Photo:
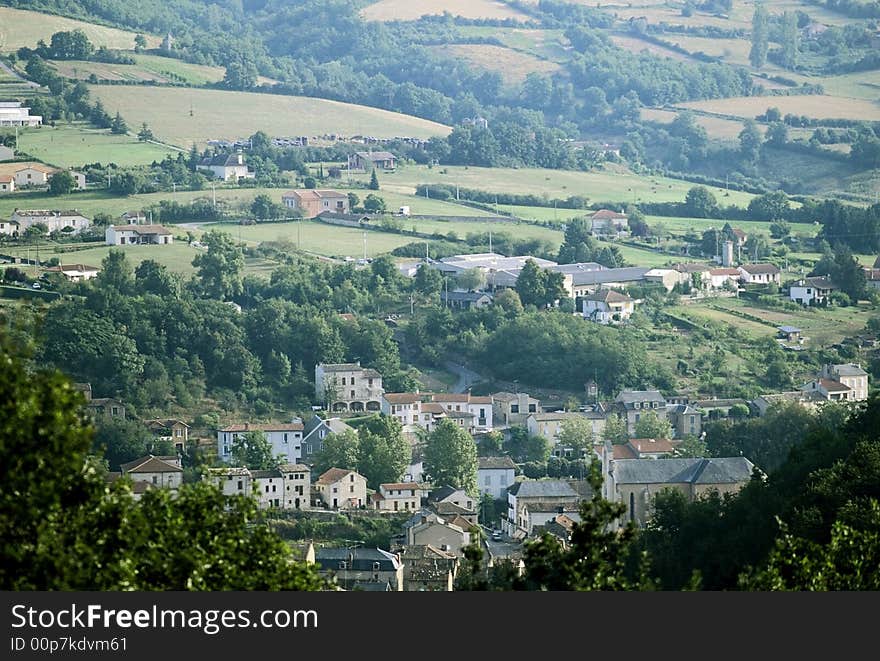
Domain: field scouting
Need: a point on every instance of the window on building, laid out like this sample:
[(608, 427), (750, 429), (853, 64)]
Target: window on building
[(514, 408), (285, 438), (532, 408), (352, 380), (343, 380)]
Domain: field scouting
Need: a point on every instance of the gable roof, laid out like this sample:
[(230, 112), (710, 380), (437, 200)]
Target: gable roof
[(542, 489), (294, 468), (333, 475), (442, 493), (724, 271), (150, 464), (608, 214), (399, 486), (608, 296), (630, 396), (833, 386), (222, 160), (817, 282), (724, 470), (402, 397), (755, 269), (141, 229), (314, 193), (265, 427), (357, 558), (647, 445), (848, 369), (376, 155), (494, 463)]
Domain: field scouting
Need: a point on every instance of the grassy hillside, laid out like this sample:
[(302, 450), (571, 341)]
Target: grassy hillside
[(513, 65), (25, 28), (816, 105), (184, 116), (615, 184), (73, 145)]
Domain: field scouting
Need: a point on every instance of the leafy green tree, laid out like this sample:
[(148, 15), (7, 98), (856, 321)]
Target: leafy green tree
[(692, 446), (471, 279), (145, 134), (338, 451), (651, 425), (614, 430), (73, 45), (383, 452), (427, 281), (777, 134), (127, 183), (700, 203), (789, 39), (253, 450), (116, 272), (118, 126), (61, 183), (219, 270), (522, 446), (509, 301), (576, 433), (374, 181), (35, 232), (374, 204), (750, 142), (760, 37), (451, 457), (353, 201), (241, 72), (263, 207), (780, 229), (155, 278), (140, 43), (120, 441)]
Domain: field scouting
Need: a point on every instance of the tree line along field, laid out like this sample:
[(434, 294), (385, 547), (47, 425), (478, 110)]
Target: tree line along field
[(162, 70), (817, 106), (78, 143), (410, 10), (20, 28), (186, 116)]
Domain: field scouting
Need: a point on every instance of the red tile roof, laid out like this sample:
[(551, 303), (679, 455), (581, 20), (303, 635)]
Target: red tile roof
[(277, 426)]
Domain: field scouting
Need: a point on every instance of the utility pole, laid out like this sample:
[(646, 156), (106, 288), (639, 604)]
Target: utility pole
[(214, 195), (365, 247)]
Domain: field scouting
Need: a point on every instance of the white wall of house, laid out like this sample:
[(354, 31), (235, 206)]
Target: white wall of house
[(286, 442), (494, 481)]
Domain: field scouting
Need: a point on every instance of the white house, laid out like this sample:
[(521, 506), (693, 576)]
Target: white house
[(7, 183), (405, 406), (479, 407), (721, 276), (228, 167), (232, 481), (811, 291), (33, 174), (494, 475), (126, 235), (340, 488), (754, 274), (75, 272), (286, 487), (54, 221), (510, 408), (163, 472), (397, 497), (607, 306), (285, 438), (606, 221)]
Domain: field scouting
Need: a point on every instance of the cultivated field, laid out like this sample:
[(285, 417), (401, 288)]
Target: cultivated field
[(73, 145), (548, 44), (672, 16), (716, 127), (25, 28), (614, 184), (411, 10), (817, 106), (512, 65), (636, 45), (162, 70), (185, 116), (734, 51), (861, 85)]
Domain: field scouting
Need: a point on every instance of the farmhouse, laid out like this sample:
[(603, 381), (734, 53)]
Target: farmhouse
[(122, 235), (339, 488), (54, 221), (313, 202), (13, 114), (155, 471), (607, 306), (753, 274), (7, 183), (510, 408), (33, 174), (811, 291), (348, 387), (228, 167), (75, 272), (606, 221), (365, 160)]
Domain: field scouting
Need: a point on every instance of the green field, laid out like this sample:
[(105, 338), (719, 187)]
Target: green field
[(73, 145), (618, 184), (821, 327), (546, 44), (25, 28), (162, 70), (812, 105), (513, 65), (182, 116)]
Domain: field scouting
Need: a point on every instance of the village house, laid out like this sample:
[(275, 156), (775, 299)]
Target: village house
[(635, 482), (495, 475), (348, 387), (427, 568), (342, 489), (105, 407), (297, 486), (227, 167), (585, 282), (560, 526), (75, 272), (809, 399), (164, 472), (316, 430), (13, 113), (607, 222), (872, 276), (651, 448), (54, 221), (366, 160), (513, 408), (175, 431), (668, 278), (345, 387), (541, 495), (122, 235), (232, 481), (840, 383), (361, 569), (397, 497), (7, 183), (466, 300), (720, 277), (812, 291), (285, 487), (607, 306), (633, 404), (447, 494), (685, 420), (33, 175), (549, 425), (696, 275), (429, 528), (312, 202), (284, 437), (405, 406), (756, 274), (478, 408)]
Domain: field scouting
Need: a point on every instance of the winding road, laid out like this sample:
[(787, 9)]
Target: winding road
[(466, 377)]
